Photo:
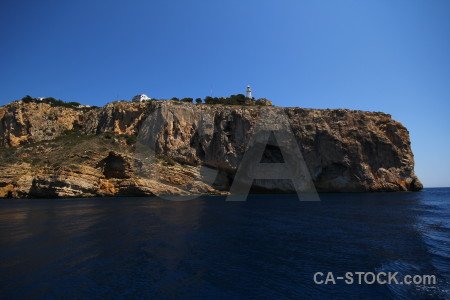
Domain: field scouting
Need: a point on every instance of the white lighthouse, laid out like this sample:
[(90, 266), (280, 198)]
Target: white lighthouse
[(249, 92)]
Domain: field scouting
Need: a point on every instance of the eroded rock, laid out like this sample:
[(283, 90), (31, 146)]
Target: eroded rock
[(344, 150)]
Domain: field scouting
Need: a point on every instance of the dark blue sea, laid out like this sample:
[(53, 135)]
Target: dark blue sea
[(268, 247)]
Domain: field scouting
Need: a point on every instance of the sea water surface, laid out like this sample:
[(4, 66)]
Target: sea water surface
[(269, 246)]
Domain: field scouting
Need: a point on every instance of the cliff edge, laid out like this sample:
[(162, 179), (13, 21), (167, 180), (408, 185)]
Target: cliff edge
[(51, 151)]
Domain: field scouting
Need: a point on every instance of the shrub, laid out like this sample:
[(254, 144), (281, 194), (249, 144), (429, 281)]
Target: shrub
[(73, 103), (211, 100), (131, 140), (108, 135), (168, 161), (187, 100), (238, 99), (52, 101), (27, 99), (198, 100)]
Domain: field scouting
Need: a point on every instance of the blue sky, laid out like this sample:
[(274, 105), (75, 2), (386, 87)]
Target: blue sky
[(390, 56)]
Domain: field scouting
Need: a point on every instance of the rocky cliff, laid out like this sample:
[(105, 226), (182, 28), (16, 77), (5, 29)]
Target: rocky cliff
[(65, 152)]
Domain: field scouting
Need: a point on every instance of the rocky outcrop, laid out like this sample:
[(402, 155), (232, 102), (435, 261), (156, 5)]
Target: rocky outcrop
[(263, 102), (31, 122), (344, 150)]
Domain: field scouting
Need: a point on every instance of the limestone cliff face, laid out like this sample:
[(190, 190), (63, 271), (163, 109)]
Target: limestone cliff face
[(31, 122), (344, 150), (116, 117)]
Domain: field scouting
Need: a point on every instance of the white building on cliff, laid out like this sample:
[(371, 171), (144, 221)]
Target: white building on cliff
[(140, 98)]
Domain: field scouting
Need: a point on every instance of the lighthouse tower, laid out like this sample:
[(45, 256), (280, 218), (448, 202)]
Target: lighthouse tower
[(249, 92)]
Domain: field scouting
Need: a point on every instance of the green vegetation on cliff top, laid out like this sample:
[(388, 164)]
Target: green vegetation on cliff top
[(238, 99)]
